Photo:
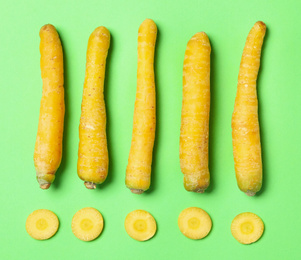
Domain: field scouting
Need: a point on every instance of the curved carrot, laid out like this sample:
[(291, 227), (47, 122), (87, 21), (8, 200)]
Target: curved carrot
[(48, 147), (140, 158), (245, 125), (195, 114), (93, 160)]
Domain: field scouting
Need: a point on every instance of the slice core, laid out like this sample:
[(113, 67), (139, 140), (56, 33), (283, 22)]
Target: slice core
[(86, 224), (42, 224), (140, 225), (194, 223)]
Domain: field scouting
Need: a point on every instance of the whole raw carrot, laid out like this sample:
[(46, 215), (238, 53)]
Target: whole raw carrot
[(138, 170), (48, 147), (195, 114), (93, 159), (245, 125)]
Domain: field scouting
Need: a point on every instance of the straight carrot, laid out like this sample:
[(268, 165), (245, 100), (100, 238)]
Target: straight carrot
[(195, 114), (48, 147), (93, 159), (140, 158), (245, 125)]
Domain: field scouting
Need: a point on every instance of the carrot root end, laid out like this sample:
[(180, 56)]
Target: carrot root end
[(90, 185), (137, 191), (250, 193)]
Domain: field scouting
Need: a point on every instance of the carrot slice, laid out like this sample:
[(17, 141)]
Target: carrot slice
[(42, 224), (247, 228), (87, 224), (140, 225), (194, 223)]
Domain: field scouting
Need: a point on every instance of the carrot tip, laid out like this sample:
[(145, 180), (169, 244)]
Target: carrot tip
[(137, 191), (250, 193), (90, 185), (261, 23), (47, 27), (45, 186)]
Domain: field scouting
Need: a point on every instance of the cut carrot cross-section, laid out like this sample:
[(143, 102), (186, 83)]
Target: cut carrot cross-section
[(247, 228), (194, 223), (42, 224), (140, 225), (87, 224)]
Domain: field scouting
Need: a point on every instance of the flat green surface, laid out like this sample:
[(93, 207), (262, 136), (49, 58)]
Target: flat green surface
[(227, 24)]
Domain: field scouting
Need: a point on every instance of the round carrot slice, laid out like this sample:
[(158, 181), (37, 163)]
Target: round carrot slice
[(247, 228), (140, 225), (42, 224), (194, 223), (87, 224)]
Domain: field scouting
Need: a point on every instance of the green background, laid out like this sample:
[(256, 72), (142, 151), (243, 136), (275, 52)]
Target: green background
[(227, 24)]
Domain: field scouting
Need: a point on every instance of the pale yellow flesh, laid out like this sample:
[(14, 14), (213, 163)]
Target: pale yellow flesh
[(138, 170), (194, 223), (87, 224), (247, 228), (245, 125), (194, 138), (42, 224), (48, 147), (140, 225), (93, 159)]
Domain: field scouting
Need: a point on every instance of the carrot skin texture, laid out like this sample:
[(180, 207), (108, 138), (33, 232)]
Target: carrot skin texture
[(48, 146), (195, 114), (138, 170), (245, 124), (93, 159)]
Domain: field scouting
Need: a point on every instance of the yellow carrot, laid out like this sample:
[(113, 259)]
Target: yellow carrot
[(245, 125), (195, 114), (48, 147), (140, 159), (93, 160)]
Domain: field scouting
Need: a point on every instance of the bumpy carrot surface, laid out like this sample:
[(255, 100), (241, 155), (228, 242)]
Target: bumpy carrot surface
[(195, 114), (93, 160), (138, 170), (245, 125), (48, 147)]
